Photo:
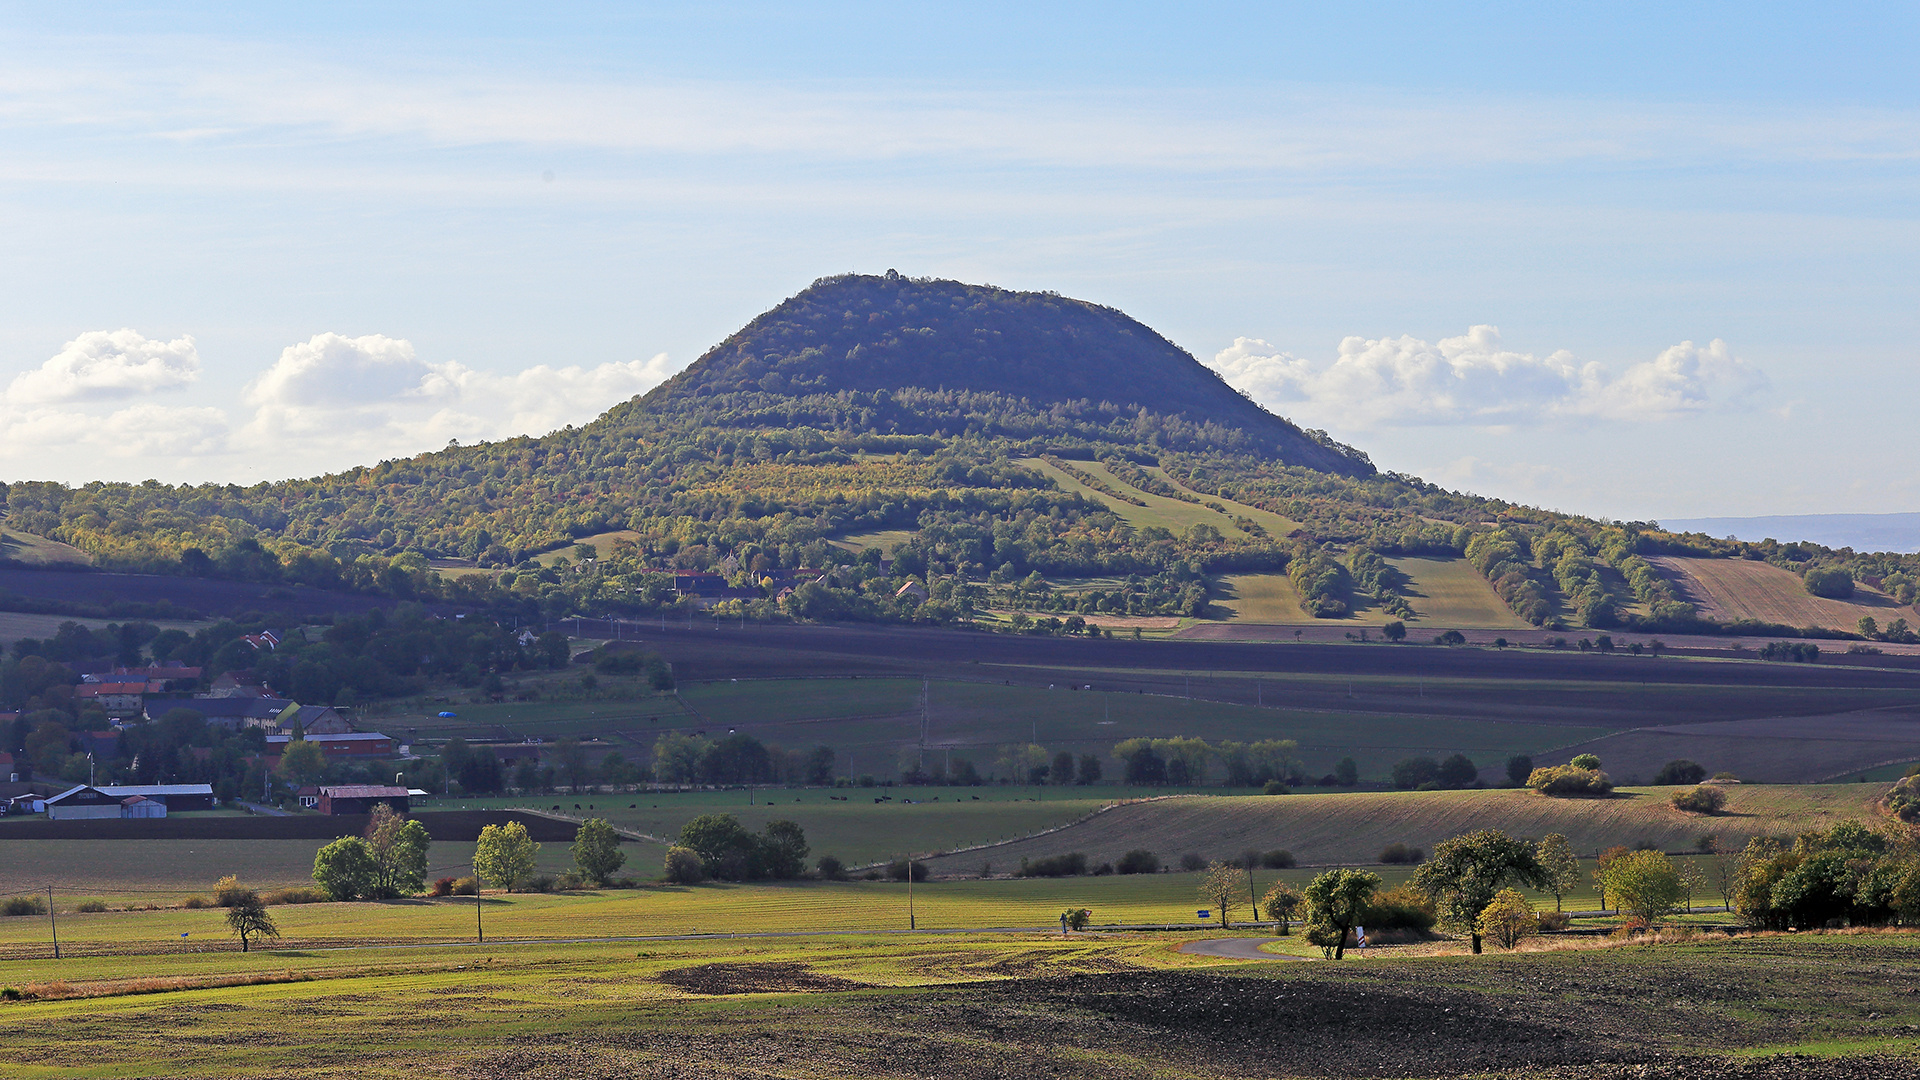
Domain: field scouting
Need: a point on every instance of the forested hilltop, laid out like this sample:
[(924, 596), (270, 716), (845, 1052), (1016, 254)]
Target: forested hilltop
[(869, 403)]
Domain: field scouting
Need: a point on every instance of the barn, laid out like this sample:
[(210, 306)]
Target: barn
[(139, 806), (361, 798), (175, 797), (83, 803)]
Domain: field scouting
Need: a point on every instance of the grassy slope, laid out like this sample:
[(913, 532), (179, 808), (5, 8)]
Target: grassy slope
[(1450, 592), (1353, 827), (1731, 589), (1173, 514), (15, 625), (30, 550)]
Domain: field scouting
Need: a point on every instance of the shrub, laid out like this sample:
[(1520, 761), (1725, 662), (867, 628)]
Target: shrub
[(92, 907), (1275, 787), (1401, 854), (442, 887), (1508, 920), (1679, 772), (1519, 767), (897, 870), (466, 886), (1585, 761), (1457, 771), (1569, 780), (300, 894), (1555, 920), (24, 905), (540, 883), (1072, 864), (684, 866), (1699, 800), (1792, 652), (1076, 918), (1402, 908), (1103, 869), (196, 902), (1278, 859), (1191, 862), (228, 892), (830, 869), (1138, 861)]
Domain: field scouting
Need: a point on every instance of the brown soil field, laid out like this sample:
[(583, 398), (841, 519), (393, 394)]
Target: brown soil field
[(451, 825), (1770, 750), (1352, 827), (1729, 590)]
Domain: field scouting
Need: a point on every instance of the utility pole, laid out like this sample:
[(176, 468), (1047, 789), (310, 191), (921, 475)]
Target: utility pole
[(53, 924), (911, 924), (479, 934)]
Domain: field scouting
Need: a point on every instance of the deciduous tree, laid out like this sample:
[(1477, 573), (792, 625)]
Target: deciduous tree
[(1465, 872), (596, 850), (1559, 864), (249, 919), (1336, 900), (504, 854)]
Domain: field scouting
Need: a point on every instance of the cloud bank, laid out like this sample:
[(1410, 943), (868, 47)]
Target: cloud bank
[(1472, 380), (326, 403)]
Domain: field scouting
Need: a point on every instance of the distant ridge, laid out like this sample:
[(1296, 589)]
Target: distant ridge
[(1861, 532)]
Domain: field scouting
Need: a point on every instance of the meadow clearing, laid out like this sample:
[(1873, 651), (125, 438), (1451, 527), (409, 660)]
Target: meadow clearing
[(1732, 589), (1175, 515)]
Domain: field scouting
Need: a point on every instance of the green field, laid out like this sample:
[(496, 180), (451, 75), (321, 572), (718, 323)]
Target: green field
[(30, 550), (1161, 511), (1444, 592)]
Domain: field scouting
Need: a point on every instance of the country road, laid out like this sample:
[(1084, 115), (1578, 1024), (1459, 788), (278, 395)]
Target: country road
[(1234, 948)]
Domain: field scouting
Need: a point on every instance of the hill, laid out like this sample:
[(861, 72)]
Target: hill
[(979, 434)]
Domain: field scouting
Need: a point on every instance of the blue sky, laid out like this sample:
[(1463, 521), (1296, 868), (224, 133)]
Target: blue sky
[(246, 242)]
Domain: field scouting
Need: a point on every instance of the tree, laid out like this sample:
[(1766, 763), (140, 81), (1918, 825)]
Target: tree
[(1280, 904), (1062, 770), (1585, 761), (723, 844), (783, 850), (1222, 888), (248, 917), (1559, 864), (1346, 772), (1336, 900), (398, 847), (1644, 883), (573, 760), (1457, 772), (820, 766), (1519, 767), (302, 763), (1415, 771), (1089, 769), (504, 854), (1600, 869), (345, 869), (1395, 631), (1465, 872), (1507, 919), (596, 850)]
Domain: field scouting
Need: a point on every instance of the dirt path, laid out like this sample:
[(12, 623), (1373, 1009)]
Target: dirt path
[(1235, 948)]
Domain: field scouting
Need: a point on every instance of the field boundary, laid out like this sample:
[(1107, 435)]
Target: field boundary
[(1081, 820), (442, 825)]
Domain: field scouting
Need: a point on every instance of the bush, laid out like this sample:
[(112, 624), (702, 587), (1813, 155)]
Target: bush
[(1072, 864), (1508, 920), (1278, 859), (1191, 862), (897, 870), (1554, 920), (1792, 652), (1103, 869), (1519, 767), (92, 907), (1457, 771), (1276, 787), (1585, 761), (1831, 582), (1402, 908), (684, 866), (466, 886), (830, 869), (1401, 854), (1076, 918), (24, 905), (442, 887), (196, 902), (300, 894), (1699, 800), (1903, 799), (1678, 773), (1569, 780), (1138, 861), (228, 892)]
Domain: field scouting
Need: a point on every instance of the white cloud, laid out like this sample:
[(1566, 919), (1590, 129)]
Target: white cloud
[(160, 431), (1473, 380), (346, 400), (103, 365)]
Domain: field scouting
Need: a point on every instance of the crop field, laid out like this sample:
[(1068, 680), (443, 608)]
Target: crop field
[(1352, 827), (1771, 749), (15, 625), (1451, 593), (1732, 589), (884, 539), (140, 1001), (644, 711)]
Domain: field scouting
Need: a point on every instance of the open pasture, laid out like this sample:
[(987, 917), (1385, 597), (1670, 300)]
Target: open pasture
[(1444, 593), (26, 549), (1175, 515), (15, 625), (1352, 827), (1732, 589), (1777, 749)]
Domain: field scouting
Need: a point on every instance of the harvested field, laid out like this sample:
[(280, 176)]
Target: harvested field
[(1350, 828), (765, 978), (1732, 589), (1773, 750)]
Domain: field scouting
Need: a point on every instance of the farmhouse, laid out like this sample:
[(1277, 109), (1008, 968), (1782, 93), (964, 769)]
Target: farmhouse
[(350, 744), (117, 698), (361, 798), (175, 797), (231, 713)]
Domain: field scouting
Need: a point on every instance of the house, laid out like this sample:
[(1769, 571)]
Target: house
[(232, 713), (175, 797), (116, 698), (234, 684), (527, 639), (914, 590), (139, 806), (314, 720), (361, 798), (350, 744), (309, 797), (265, 641), (83, 803)]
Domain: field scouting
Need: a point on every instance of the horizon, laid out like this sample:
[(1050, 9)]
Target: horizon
[(1612, 270)]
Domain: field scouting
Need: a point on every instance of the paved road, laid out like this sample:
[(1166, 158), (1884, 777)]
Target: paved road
[(1235, 948)]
